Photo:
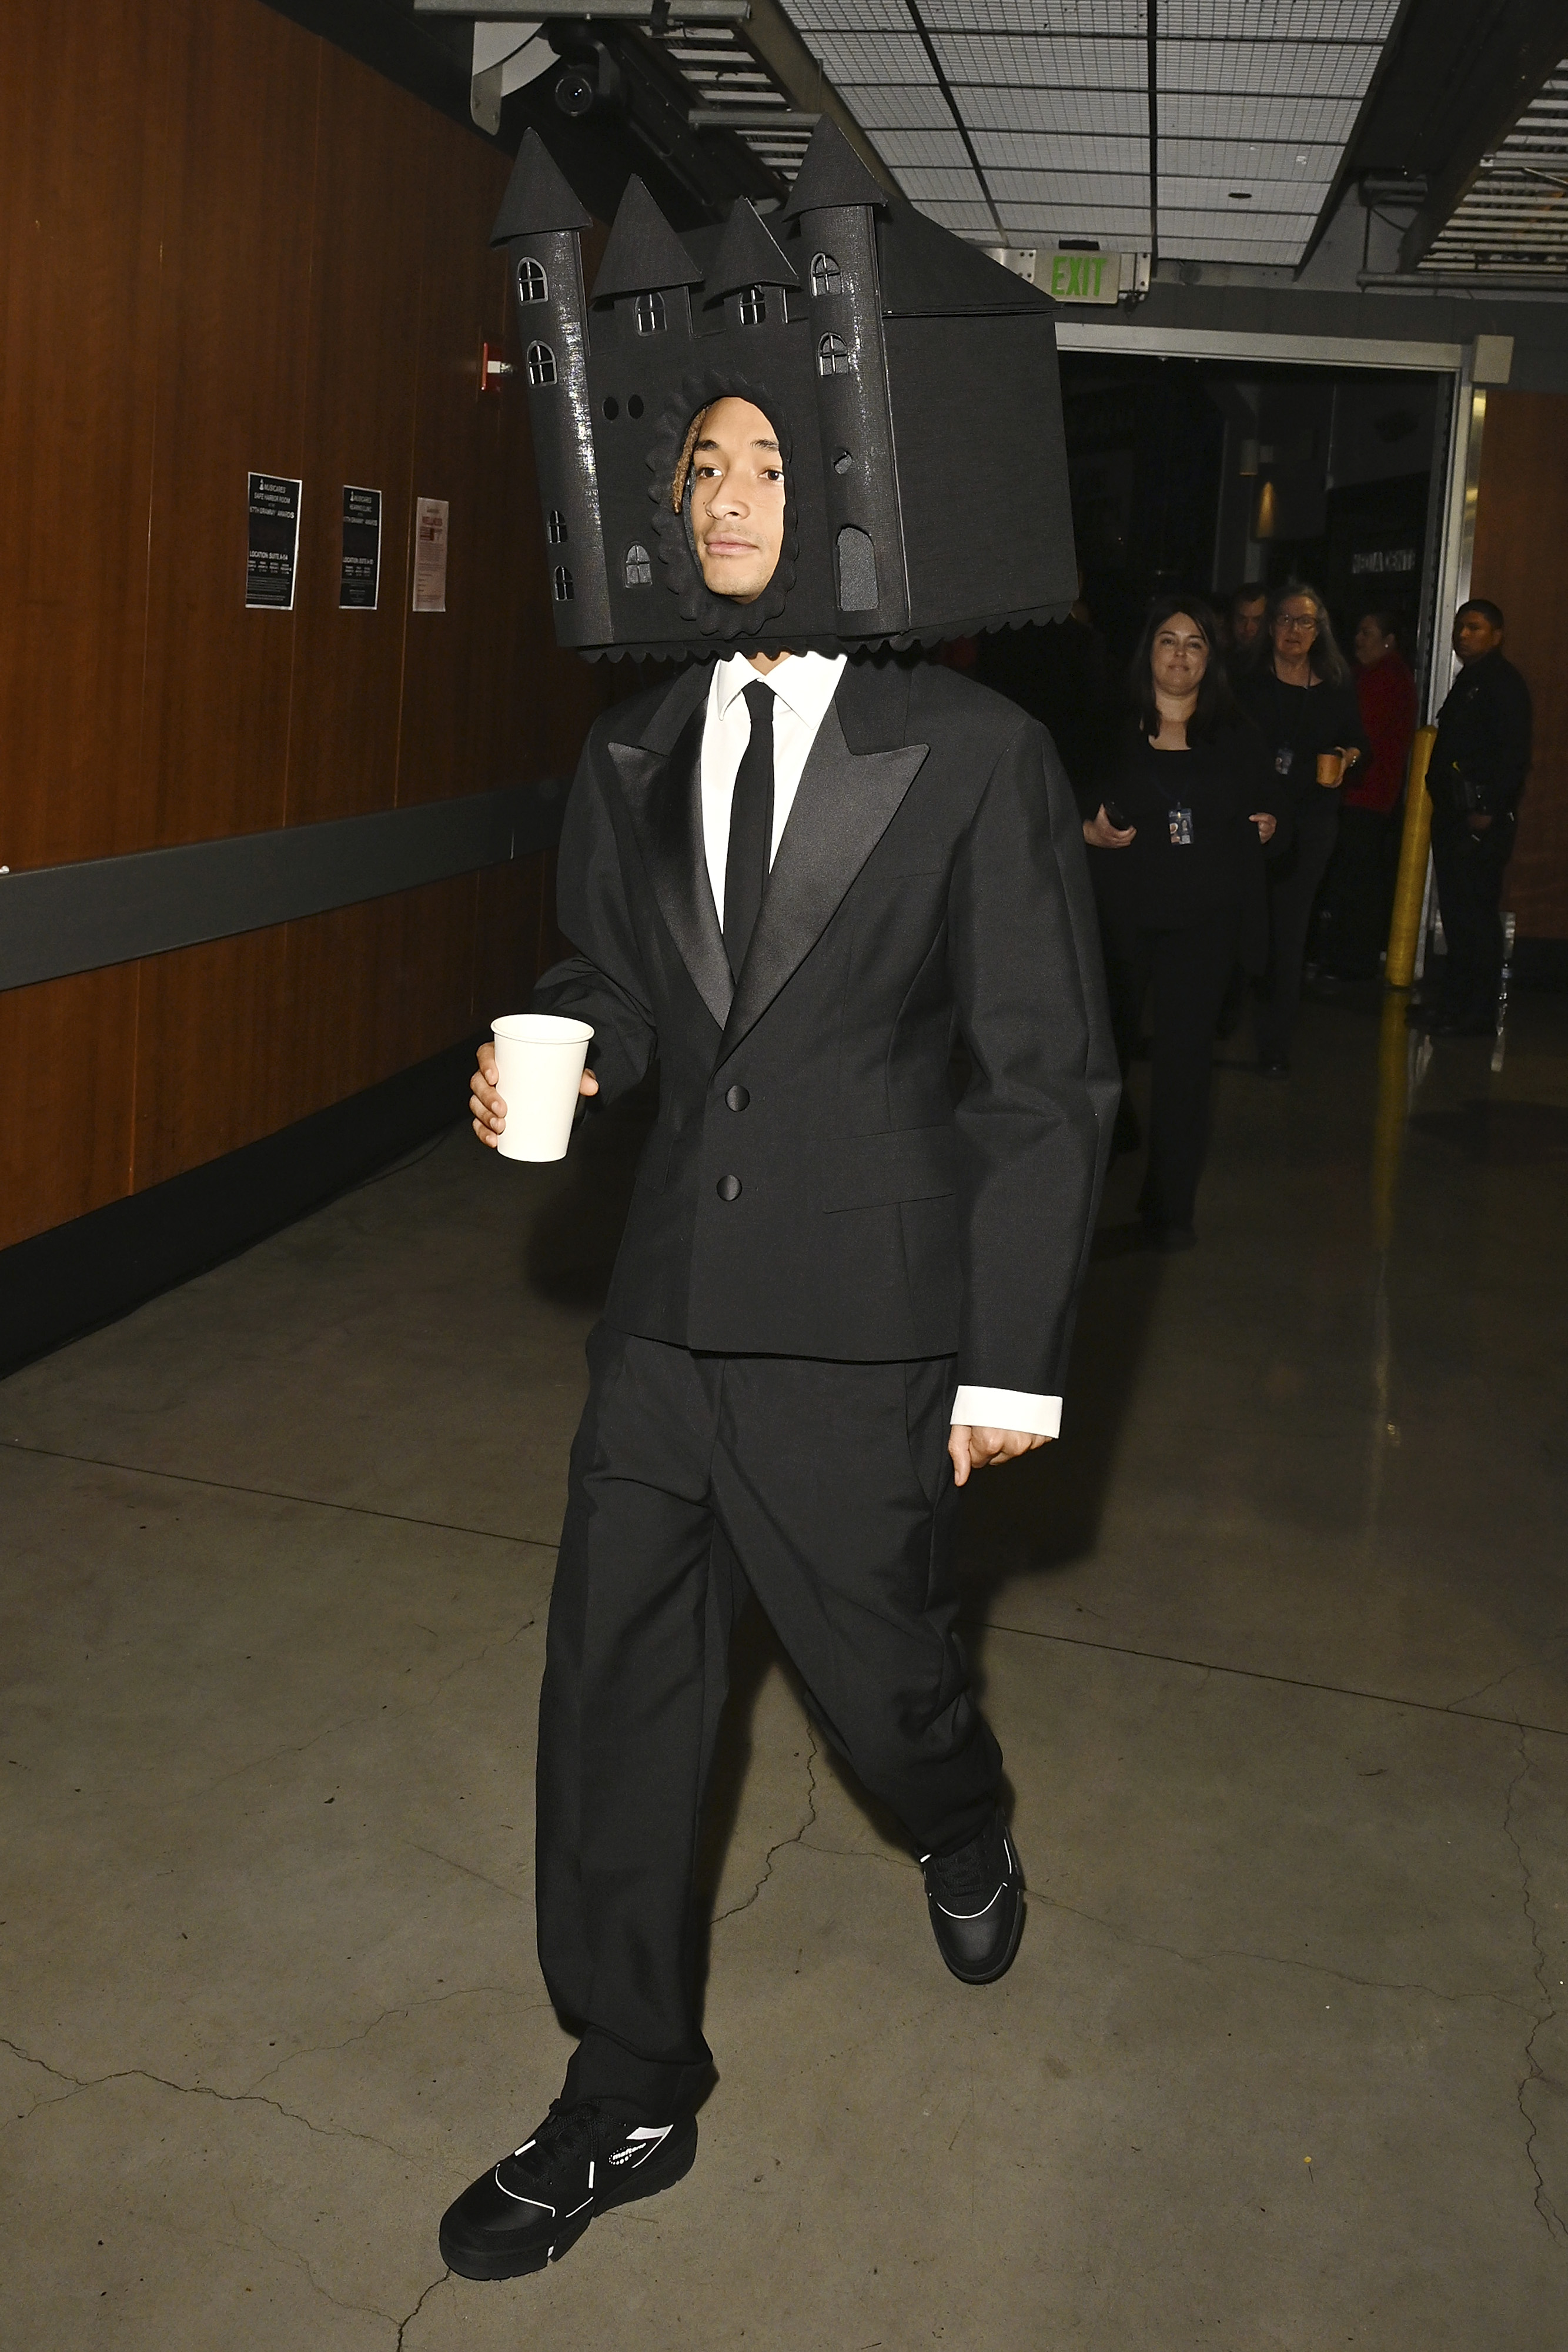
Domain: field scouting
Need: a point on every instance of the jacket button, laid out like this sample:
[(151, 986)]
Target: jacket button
[(729, 1188), (738, 1098)]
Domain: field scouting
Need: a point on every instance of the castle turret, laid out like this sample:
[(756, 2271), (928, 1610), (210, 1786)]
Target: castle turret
[(539, 222), (751, 275), (646, 271), (835, 201)]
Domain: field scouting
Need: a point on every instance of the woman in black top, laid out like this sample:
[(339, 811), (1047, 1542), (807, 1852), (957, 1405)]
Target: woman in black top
[(1186, 808), (1302, 699)]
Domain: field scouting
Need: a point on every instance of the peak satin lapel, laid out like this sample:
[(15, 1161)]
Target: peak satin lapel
[(662, 793), (845, 803)]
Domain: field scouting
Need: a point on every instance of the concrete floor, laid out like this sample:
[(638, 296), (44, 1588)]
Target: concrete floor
[(1276, 1643)]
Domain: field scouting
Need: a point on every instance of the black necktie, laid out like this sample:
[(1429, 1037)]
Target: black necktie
[(750, 829)]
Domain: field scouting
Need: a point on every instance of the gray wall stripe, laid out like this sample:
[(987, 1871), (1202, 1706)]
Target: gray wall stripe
[(56, 920)]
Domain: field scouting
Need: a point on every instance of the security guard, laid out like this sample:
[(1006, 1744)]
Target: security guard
[(1476, 774)]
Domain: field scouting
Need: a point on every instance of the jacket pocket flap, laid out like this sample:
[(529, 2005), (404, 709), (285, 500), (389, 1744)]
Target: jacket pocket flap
[(867, 1171)]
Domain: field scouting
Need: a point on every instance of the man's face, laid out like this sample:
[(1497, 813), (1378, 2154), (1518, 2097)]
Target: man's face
[(737, 500), (1247, 621), (1475, 635)]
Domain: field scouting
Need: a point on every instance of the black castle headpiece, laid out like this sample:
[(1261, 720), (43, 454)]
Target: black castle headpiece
[(911, 380)]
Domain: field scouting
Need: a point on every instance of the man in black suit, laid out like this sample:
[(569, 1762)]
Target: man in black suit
[(794, 880), (1474, 778)]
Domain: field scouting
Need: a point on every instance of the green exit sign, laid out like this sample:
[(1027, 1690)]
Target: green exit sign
[(1079, 276)]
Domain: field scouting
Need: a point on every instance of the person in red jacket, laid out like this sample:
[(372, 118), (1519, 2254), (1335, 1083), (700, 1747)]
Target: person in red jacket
[(1358, 888)]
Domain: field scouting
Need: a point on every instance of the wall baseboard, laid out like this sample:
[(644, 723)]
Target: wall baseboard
[(61, 1284)]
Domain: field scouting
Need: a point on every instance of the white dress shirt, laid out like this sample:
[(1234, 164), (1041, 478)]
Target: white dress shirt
[(803, 685)]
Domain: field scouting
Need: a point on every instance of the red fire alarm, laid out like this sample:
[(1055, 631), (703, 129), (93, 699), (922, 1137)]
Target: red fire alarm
[(493, 368)]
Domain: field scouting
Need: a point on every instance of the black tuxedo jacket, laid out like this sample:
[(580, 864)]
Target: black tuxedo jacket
[(812, 1187)]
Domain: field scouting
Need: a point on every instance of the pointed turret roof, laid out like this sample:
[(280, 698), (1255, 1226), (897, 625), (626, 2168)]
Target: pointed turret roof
[(538, 197), (747, 254), (832, 175), (644, 251)]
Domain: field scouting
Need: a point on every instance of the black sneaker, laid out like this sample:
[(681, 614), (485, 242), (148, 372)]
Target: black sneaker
[(534, 2205), (975, 1900)]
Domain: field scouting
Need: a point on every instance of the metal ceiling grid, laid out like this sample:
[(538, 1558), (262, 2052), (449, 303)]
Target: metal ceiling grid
[(1067, 61), (1028, 151), (1030, 119), (1066, 113), (1514, 219), (878, 107)]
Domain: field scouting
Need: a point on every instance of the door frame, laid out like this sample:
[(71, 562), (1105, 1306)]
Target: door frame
[(1467, 423)]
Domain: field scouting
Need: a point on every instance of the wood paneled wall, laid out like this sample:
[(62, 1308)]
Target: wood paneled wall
[(1522, 529), (231, 246)]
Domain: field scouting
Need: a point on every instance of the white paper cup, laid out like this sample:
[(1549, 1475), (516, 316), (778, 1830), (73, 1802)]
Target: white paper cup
[(538, 1064)]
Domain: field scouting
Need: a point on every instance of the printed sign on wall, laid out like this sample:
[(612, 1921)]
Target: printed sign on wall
[(430, 554), (358, 583), (273, 541)]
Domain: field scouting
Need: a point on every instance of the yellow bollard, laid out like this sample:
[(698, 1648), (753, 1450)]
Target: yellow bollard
[(1414, 847)]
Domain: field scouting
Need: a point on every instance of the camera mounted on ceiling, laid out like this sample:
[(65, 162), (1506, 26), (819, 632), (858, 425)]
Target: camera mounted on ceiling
[(591, 81)]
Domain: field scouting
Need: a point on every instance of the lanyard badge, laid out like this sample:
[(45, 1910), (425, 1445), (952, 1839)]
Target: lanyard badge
[(1180, 820), (1284, 758)]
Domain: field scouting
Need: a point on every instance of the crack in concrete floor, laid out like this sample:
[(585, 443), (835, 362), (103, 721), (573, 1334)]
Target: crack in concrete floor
[(77, 2084), (797, 1837)]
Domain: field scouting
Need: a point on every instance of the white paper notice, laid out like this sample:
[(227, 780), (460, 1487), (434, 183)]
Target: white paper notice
[(430, 555)]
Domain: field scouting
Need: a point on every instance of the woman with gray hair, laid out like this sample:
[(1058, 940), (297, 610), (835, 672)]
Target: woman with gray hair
[(1301, 696)]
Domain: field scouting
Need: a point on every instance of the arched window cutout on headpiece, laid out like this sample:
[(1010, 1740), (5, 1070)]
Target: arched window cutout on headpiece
[(563, 588), (753, 306), (541, 363), (648, 314), (833, 356), (639, 570), (857, 571), (555, 530), (533, 286), (826, 275)]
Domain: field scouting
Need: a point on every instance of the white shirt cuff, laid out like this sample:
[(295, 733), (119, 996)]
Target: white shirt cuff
[(1037, 1416)]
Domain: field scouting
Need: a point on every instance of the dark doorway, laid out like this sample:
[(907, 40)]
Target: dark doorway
[(1204, 474)]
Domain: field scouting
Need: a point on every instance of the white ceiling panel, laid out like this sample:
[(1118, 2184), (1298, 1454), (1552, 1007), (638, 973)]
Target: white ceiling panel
[(1280, 20), (1027, 16), (1076, 188), (878, 105), (1029, 152), (1234, 69), (1123, 228), (1017, 61), (872, 56), (1214, 115), (1247, 163), (1104, 113), (902, 148), (1180, 192), (1281, 253), (853, 16)]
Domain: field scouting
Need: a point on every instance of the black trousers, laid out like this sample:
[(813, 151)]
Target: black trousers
[(1469, 867), (826, 1488), (1189, 971), (1357, 894), (1293, 881)]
